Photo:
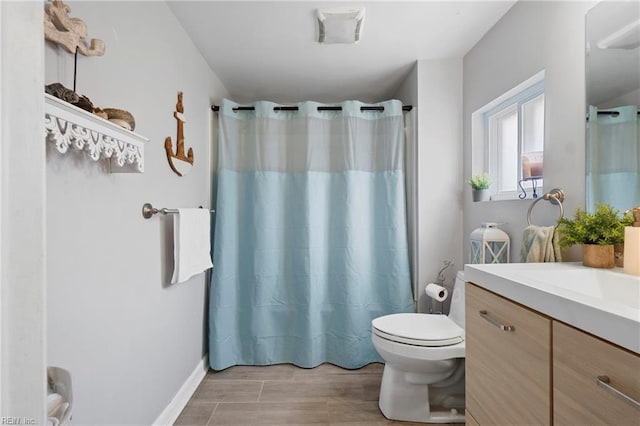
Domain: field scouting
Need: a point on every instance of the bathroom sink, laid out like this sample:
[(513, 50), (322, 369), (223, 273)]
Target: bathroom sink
[(604, 302), (607, 286)]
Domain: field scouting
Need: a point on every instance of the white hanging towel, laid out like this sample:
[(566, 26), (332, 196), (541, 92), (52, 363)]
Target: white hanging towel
[(191, 243)]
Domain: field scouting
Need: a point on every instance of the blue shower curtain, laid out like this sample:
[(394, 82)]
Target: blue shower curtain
[(310, 240), (613, 158)]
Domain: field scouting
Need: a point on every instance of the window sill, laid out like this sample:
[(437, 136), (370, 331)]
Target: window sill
[(514, 195)]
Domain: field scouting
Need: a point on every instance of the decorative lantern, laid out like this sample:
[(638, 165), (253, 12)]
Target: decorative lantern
[(489, 244)]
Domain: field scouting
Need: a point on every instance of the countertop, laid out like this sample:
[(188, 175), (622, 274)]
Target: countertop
[(603, 302)]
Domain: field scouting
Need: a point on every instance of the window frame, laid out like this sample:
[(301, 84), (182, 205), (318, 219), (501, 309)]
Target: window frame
[(481, 151), (514, 103)]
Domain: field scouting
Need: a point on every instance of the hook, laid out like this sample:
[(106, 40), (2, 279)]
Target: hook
[(534, 187)]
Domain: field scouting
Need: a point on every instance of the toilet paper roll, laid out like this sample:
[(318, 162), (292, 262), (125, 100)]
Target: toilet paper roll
[(436, 292)]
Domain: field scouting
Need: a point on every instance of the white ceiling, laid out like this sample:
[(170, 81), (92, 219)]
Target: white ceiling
[(611, 72), (267, 50)]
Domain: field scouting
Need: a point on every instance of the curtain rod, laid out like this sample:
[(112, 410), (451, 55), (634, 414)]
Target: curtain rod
[(611, 113), (320, 108), (614, 113)]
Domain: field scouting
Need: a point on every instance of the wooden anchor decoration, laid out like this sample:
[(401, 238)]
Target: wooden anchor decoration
[(179, 162)]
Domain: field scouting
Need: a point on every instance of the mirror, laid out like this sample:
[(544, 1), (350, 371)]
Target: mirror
[(613, 101)]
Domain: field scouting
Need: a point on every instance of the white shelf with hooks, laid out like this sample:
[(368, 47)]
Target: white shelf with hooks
[(69, 127)]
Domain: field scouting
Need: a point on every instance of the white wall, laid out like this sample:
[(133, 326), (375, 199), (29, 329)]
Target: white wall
[(408, 94), (22, 214), (631, 98), (434, 87), (129, 339), (530, 37)]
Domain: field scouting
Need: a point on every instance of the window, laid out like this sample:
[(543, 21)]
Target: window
[(510, 144)]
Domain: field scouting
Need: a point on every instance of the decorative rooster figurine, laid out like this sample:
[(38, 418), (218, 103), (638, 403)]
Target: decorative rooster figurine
[(179, 163)]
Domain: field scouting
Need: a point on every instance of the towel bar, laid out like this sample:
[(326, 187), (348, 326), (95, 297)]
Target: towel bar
[(555, 196), (148, 210)]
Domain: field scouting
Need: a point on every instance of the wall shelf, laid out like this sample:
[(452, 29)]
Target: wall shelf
[(67, 126)]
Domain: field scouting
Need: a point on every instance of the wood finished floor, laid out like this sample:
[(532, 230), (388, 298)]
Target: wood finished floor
[(287, 395)]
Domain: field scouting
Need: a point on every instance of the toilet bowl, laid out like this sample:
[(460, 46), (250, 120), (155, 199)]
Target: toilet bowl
[(423, 378)]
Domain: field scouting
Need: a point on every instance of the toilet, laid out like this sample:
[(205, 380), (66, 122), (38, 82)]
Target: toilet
[(423, 378)]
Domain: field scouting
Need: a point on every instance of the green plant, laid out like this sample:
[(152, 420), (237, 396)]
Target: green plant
[(481, 181), (603, 227)]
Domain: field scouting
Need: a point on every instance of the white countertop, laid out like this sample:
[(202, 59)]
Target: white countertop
[(603, 302)]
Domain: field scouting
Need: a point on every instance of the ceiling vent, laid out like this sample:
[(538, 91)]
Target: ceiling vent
[(340, 25)]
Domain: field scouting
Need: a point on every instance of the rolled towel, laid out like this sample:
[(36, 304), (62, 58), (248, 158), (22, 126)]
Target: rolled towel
[(57, 413), (54, 401), (62, 411)]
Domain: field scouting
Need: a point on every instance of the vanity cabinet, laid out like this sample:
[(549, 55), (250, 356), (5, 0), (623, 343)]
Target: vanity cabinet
[(524, 367), (581, 363), (508, 361)]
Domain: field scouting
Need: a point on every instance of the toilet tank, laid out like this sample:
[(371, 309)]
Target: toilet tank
[(456, 310)]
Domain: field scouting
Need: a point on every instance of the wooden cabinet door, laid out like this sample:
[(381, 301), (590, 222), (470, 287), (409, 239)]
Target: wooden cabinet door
[(578, 360), (508, 368)]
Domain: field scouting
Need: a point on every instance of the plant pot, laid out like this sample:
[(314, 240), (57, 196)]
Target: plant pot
[(597, 256), (481, 194), (618, 255)]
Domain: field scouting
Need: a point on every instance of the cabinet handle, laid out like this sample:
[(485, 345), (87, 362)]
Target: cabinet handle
[(603, 381), (497, 323)]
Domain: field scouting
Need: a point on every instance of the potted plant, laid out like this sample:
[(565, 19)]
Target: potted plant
[(598, 232), (480, 187)]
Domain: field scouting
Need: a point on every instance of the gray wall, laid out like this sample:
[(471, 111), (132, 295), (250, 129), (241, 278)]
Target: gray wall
[(434, 87), (22, 214), (408, 94), (532, 36), (129, 339)]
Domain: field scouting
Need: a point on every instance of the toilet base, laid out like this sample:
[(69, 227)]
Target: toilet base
[(404, 397)]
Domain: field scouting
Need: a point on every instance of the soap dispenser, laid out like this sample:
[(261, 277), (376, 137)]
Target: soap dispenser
[(632, 245)]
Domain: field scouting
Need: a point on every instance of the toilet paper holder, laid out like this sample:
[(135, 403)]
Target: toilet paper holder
[(439, 281), (436, 292)]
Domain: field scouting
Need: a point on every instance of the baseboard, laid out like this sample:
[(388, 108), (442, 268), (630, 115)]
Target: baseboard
[(177, 404)]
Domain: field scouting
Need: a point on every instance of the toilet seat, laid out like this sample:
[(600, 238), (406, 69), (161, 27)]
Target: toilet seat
[(418, 329)]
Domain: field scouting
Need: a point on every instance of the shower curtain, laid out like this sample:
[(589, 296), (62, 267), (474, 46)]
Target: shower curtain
[(613, 158), (310, 240)]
